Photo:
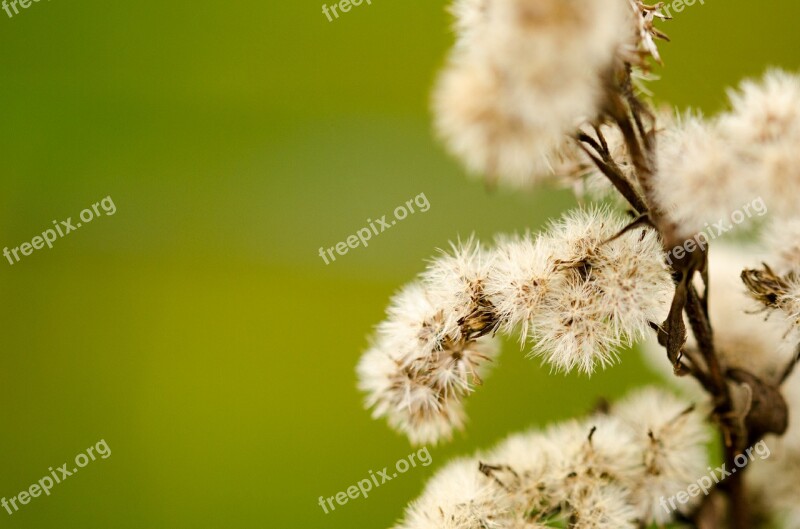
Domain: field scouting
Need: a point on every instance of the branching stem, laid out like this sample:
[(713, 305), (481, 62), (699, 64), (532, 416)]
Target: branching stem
[(627, 111)]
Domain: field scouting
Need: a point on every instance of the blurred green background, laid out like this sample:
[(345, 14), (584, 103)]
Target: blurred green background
[(197, 330)]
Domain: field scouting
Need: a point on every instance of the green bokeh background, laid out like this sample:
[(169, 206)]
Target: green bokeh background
[(197, 330)]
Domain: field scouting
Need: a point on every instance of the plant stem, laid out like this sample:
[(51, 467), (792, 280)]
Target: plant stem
[(738, 507), (626, 111)]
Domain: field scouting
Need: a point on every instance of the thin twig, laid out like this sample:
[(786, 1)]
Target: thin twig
[(618, 180)]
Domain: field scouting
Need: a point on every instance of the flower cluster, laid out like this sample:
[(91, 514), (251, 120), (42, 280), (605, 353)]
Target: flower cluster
[(432, 348), (712, 166), (775, 481), (578, 291), (607, 471), (524, 75), (537, 89)]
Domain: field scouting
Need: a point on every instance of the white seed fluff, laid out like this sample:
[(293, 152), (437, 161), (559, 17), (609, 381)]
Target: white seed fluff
[(455, 280), (774, 475), (709, 169), (782, 239), (700, 180), (523, 76), (419, 369), (610, 291), (670, 438), (583, 473), (523, 273), (459, 496)]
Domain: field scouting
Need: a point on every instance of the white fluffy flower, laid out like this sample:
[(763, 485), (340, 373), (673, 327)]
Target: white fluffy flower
[(592, 451), (572, 331), (764, 124), (779, 176), (765, 112), (783, 244), (477, 115), (459, 496), (610, 291), (409, 401), (709, 169), (700, 180), (635, 283), (774, 477), (669, 437), (593, 473), (419, 369), (415, 325), (470, 20), (602, 508), (522, 276), (456, 281), (522, 77)]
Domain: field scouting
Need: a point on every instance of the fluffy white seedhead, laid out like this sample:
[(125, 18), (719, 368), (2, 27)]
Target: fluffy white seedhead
[(585, 464), (700, 179), (765, 112), (408, 400), (525, 467), (779, 176), (572, 332), (592, 452), (774, 475), (523, 76), (710, 169), (603, 508), (669, 436), (609, 290), (470, 18), (455, 280), (415, 325), (782, 239), (419, 370), (558, 52), (477, 116), (635, 282), (591, 473), (522, 276), (459, 496), (764, 124)]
